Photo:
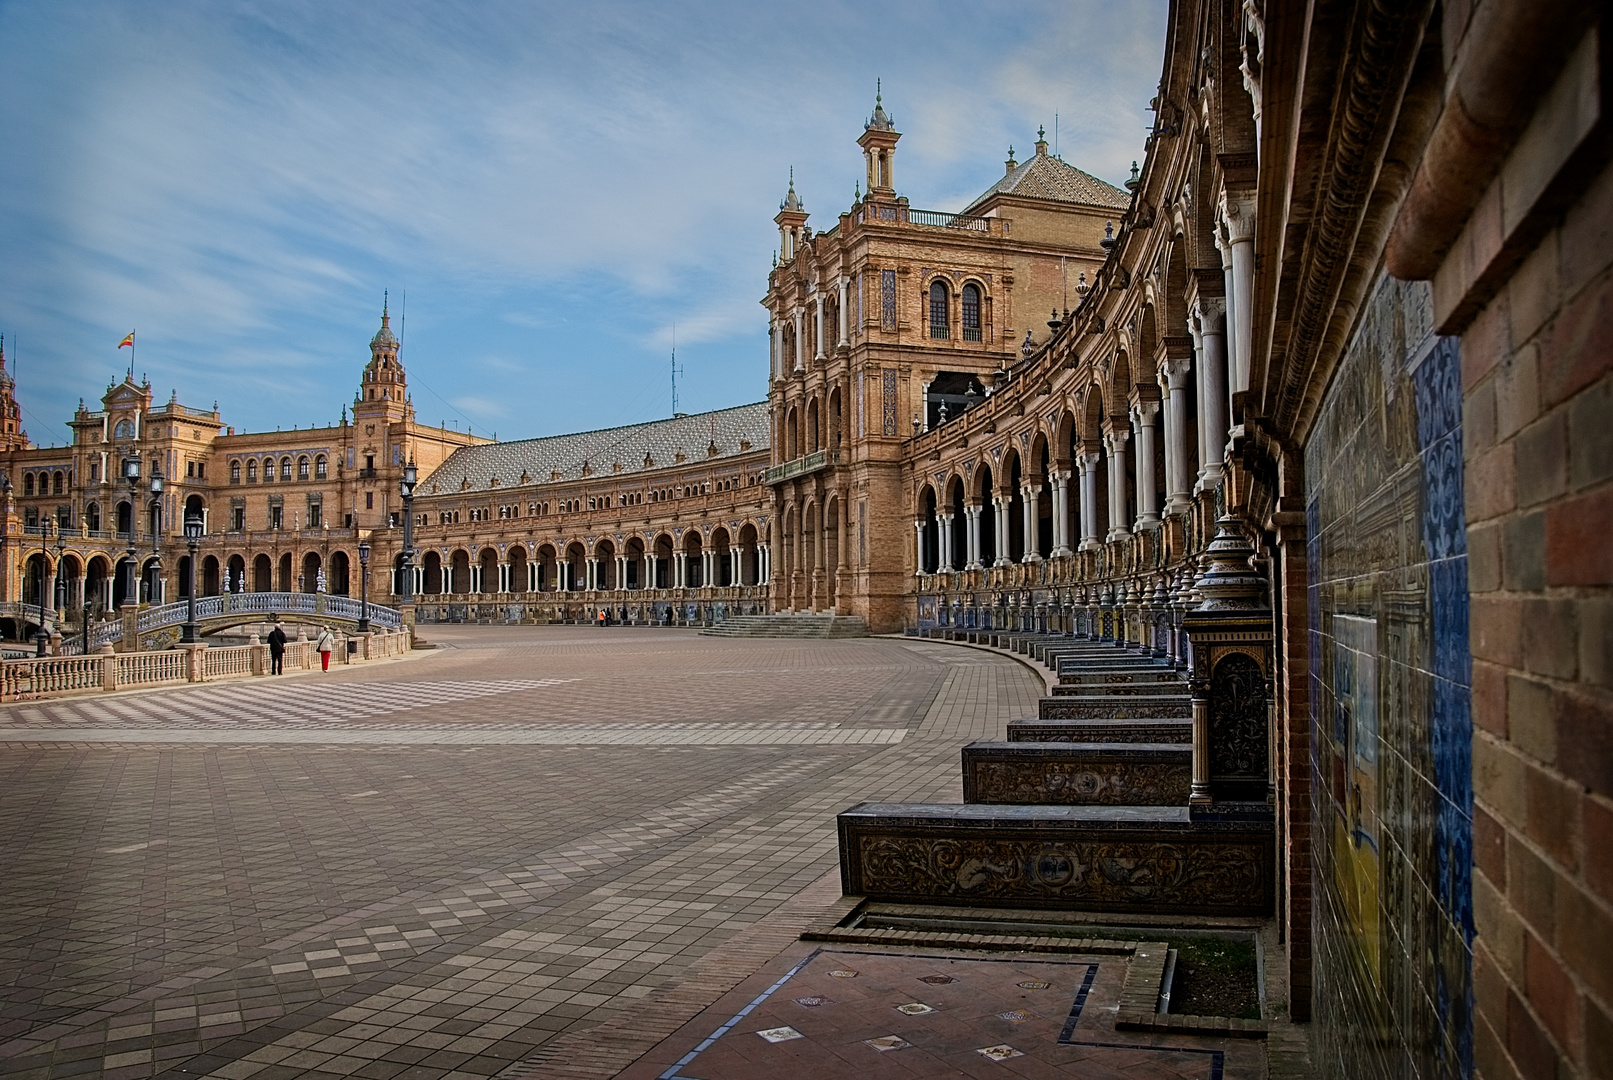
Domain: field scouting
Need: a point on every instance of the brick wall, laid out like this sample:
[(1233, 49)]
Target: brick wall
[(1537, 380)]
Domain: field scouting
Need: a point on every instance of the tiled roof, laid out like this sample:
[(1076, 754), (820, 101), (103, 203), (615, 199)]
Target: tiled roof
[(1043, 176), (542, 459)]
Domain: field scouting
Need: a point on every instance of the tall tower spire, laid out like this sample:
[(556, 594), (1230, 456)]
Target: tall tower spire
[(12, 436), (789, 219), (384, 390), (879, 147)]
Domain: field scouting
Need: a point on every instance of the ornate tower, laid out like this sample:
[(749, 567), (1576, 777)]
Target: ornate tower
[(791, 216), (12, 436), (878, 141), (383, 394)]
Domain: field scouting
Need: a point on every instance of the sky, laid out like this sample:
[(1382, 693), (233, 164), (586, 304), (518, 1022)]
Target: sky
[(549, 192)]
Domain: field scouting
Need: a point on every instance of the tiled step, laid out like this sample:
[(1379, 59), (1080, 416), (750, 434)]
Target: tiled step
[(1135, 707), (1134, 859), (1163, 676), (1138, 689), (1078, 774), (1101, 731)]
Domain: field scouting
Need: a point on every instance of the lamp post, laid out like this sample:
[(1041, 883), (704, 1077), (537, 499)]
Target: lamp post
[(193, 536), (131, 473), (156, 529), (42, 639), (364, 586), (61, 580), (406, 586)]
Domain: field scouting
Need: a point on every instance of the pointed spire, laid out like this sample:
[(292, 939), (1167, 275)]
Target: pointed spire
[(880, 121), (792, 201), (384, 338), (1041, 140)]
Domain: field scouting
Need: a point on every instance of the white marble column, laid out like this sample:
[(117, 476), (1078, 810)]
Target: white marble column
[(972, 536), (1178, 467), (817, 329), (840, 312), (918, 536), (1061, 513), (774, 347), (1211, 318), (1029, 494), (1118, 501), (944, 535), (1142, 422), (1004, 507), (800, 342), (1089, 500)]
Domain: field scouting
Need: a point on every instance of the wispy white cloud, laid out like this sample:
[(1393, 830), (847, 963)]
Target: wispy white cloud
[(548, 180)]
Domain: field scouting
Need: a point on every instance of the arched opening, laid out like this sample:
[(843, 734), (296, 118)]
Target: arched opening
[(791, 430), (340, 575), (92, 517), (210, 576), (960, 524), (634, 553), (34, 587), (459, 572), (125, 517), (810, 564), (988, 527), (431, 574), (576, 567), (604, 565), (1042, 463), (663, 562), (812, 440), (312, 580), (262, 574), (929, 553), (488, 576), (286, 582), (836, 431), (692, 549), (152, 589), (195, 507), (548, 568), (1014, 473), (722, 565), (749, 565), (831, 549), (235, 575), (519, 572), (184, 576)]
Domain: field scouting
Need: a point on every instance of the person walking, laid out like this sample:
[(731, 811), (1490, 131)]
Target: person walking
[(277, 649), (326, 642)]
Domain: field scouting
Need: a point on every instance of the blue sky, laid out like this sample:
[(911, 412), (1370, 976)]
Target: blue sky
[(554, 185)]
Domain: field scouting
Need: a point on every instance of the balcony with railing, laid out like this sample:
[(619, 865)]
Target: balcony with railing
[(899, 214), (805, 465)]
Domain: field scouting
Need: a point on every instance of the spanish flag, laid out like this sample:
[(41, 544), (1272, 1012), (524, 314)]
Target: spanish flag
[(129, 341)]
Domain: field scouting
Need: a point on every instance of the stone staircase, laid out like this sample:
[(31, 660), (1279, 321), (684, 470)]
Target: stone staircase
[(790, 626), (1084, 808)]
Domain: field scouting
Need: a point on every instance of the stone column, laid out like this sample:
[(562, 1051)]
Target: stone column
[(817, 329), (943, 535), (1061, 513), (1116, 442), (1029, 494), (1089, 500), (972, 537), (1211, 317), (918, 548), (844, 337), (1178, 494), (800, 334), (1004, 507), (1142, 420), (1237, 215)]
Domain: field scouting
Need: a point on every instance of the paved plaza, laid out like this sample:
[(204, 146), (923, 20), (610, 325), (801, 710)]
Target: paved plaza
[(529, 852)]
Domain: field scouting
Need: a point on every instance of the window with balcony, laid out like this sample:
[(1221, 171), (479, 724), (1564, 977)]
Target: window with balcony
[(940, 326), (235, 472), (319, 467), (971, 313)]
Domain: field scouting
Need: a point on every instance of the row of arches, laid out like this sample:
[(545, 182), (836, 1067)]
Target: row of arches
[(47, 482), (307, 468), (812, 425), (660, 563)]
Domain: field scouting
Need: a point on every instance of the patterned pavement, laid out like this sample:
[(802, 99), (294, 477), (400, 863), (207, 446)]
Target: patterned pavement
[(469, 862)]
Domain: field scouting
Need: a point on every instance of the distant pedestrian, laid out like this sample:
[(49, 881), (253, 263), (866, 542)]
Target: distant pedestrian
[(277, 649), (326, 642), (601, 618)]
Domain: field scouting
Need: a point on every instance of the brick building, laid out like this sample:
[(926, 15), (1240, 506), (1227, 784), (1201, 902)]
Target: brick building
[(1339, 363)]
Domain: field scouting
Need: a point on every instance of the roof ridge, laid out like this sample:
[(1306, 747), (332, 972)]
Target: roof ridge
[(624, 427)]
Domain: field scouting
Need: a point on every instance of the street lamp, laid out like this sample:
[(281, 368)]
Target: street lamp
[(406, 586), (156, 529), (131, 473), (363, 586), (193, 536), (42, 639)]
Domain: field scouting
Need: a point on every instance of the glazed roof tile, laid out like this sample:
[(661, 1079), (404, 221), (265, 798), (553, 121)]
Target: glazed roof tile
[(560, 458), (1043, 176)]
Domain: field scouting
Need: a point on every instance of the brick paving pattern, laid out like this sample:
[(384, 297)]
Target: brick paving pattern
[(457, 864)]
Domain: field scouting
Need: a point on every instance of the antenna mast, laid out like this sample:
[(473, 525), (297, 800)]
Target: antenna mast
[(676, 371)]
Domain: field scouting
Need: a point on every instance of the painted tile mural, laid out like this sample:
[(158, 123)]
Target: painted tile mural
[(1391, 719)]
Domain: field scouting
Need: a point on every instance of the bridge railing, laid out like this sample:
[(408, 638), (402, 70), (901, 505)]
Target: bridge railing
[(32, 678)]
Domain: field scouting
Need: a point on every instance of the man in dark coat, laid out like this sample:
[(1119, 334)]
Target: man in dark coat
[(277, 648)]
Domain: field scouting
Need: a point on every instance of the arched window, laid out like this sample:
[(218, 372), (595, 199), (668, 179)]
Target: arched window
[(27, 483), (56, 484), (971, 312), (285, 468), (268, 470), (302, 468), (938, 311), (251, 472), (92, 516), (235, 472), (124, 430), (319, 467)]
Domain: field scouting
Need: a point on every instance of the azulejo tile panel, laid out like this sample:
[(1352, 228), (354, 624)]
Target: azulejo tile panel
[(1391, 714)]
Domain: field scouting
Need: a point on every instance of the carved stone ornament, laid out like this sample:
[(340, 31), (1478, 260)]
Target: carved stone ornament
[(1227, 583)]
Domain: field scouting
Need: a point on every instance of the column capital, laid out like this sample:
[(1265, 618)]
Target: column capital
[(1235, 213), (1208, 313), (1116, 439), (1177, 371), (1143, 412)]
